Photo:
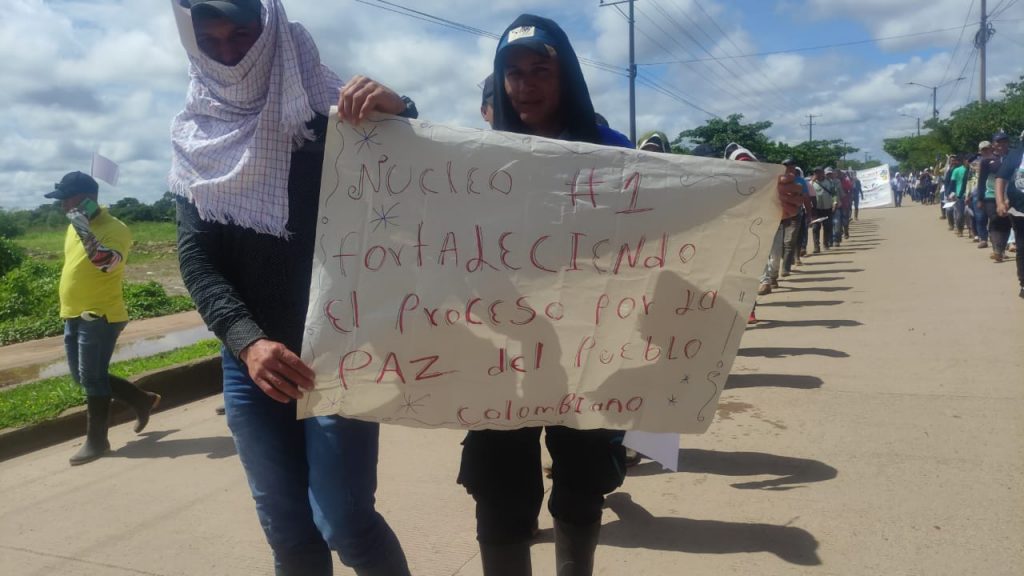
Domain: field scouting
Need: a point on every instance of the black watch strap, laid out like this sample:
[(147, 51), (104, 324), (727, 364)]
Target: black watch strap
[(410, 109)]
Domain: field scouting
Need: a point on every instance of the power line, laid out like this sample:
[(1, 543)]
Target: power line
[(737, 92), (969, 62), (807, 48), (956, 50), (999, 13), (671, 93), (652, 83), (460, 27), (757, 69), (731, 75)]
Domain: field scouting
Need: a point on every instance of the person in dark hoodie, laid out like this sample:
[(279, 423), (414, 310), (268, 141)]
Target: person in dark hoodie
[(540, 90)]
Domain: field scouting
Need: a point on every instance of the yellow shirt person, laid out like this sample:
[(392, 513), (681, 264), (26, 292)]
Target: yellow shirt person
[(84, 286)]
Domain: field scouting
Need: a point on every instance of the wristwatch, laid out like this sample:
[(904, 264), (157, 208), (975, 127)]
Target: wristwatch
[(410, 109)]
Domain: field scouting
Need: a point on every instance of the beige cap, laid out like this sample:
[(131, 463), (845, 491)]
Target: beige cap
[(984, 144)]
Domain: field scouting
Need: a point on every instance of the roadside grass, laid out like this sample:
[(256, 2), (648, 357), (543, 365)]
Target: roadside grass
[(152, 241), (43, 400)]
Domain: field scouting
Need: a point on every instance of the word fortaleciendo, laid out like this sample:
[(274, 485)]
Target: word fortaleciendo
[(508, 251)]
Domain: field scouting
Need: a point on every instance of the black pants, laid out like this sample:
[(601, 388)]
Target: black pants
[(1018, 232), (502, 470), (827, 225), (998, 228)]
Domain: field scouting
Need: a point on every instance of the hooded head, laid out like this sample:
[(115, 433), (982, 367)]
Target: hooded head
[(655, 142), (538, 84)]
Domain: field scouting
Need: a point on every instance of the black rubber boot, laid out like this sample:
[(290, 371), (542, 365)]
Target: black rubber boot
[(575, 545), (141, 401), (393, 565), (96, 444), (506, 559)]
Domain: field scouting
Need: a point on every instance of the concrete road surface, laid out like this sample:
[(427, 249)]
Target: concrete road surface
[(872, 425)]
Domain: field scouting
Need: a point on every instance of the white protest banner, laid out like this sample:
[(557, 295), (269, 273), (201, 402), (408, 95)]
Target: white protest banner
[(476, 279), (877, 191)]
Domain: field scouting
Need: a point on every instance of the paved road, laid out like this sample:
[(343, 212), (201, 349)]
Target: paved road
[(872, 426)]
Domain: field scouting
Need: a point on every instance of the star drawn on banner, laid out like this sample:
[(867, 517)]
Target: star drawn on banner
[(673, 401), (384, 217), (366, 139), (409, 405)]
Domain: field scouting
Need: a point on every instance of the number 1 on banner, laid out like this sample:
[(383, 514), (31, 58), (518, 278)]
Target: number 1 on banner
[(634, 182)]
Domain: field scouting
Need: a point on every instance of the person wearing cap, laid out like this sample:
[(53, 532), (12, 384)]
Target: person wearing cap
[(927, 185), (996, 228), (956, 193), (248, 152), (806, 210), (487, 101), (540, 90), (781, 256), (858, 194), (92, 306), (824, 201), (848, 189), (834, 178), (1010, 200)]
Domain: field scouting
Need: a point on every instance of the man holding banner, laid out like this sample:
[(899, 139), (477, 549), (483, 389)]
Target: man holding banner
[(248, 152)]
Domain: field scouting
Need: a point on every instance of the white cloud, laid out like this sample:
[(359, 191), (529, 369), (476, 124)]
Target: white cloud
[(108, 75)]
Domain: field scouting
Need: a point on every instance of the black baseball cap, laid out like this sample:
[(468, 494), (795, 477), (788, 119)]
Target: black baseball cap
[(73, 184), (1000, 136), (533, 37), (238, 11), (788, 162)]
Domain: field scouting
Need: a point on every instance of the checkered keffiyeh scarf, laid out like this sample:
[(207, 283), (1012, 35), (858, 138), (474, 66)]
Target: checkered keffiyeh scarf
[(234, 139)]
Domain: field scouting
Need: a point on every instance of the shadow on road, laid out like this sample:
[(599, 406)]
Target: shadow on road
[(638, 528), (820, 289), (787, 352), (844, 271), (789, 471), (812, 279), (801, 303), (154, 445), (829, 263), (737, 381), (832, 324)]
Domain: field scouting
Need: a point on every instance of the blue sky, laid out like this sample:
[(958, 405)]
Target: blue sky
[(108, 75)]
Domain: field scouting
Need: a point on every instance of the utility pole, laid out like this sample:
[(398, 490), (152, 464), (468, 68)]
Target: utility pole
[(810, 126), (935, 89), (981, 41), (918, 121), (632, 65)]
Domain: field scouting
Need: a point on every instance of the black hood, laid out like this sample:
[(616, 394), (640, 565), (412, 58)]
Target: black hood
[(576, 109)]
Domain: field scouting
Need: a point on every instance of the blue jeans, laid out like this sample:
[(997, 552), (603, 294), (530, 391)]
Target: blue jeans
[(313, 481), (981, 220), (89, 346), (837, 226)]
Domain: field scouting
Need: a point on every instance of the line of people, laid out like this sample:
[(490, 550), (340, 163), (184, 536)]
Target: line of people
[(819, 209), (980, 195)]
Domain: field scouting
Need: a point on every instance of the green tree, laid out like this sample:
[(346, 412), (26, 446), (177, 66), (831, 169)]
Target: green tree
[(10, 225), (718, 133)]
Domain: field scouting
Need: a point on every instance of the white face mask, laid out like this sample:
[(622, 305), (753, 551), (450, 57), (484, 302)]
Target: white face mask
[(183, 17)]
